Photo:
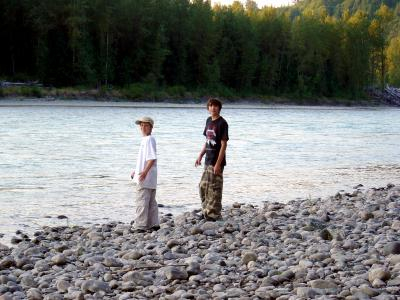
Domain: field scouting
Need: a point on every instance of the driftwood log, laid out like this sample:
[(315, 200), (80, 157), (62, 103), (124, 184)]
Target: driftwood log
[(390, 95), (27, 83)]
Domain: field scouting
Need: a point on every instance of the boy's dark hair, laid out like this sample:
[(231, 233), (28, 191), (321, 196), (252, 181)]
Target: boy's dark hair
[(214, 101)]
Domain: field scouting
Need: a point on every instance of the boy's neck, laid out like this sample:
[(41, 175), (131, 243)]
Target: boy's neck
[(214, 117)]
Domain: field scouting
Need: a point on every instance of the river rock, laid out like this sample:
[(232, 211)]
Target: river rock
[(173, 273), (112, 262), (306, 292), (193, 268), (134, 254), (42, 266), (172, 243), (3, 247), (28, 281), (302, 249), (235, 293), (59, 259), (248, 256), (370, 292), (7, 262), (142, 278), (94, 286), (34, 294), (392, 248), (394, 259), (323, 284), (326, 234), (62, 285), (366, 215), (378, 273)]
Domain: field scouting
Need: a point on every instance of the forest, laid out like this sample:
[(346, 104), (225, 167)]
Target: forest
[(313, 48)]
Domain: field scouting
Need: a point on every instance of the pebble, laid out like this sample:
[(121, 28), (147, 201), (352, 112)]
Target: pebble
[(342, 247)]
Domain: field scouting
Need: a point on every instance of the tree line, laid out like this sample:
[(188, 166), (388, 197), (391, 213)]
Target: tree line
[(298, 50)]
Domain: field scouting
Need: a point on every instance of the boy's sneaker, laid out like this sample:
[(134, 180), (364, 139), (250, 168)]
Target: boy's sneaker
[(212, 219), (154, 228)]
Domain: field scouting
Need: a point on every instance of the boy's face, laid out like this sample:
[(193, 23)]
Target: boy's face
[(214, 110), (146, 128)]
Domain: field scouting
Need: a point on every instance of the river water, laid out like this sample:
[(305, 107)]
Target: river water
[(75, 158)]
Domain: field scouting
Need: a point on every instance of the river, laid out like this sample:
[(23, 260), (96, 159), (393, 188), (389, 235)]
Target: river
[(74, 158)]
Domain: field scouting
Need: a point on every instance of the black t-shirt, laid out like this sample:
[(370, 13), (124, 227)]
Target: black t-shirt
[(215, 131)]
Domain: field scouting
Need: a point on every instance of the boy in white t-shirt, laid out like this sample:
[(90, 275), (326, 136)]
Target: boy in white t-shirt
[(145, 176)]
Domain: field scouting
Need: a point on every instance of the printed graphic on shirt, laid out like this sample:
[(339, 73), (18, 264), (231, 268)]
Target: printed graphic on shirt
[(211, 135)]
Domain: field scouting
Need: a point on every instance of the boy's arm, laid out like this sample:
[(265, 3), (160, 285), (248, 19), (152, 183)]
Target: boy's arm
[(221, 155), (151, 157), (202, 152), (146, 170)]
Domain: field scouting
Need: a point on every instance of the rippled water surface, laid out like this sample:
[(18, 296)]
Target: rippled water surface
[(75, 158)]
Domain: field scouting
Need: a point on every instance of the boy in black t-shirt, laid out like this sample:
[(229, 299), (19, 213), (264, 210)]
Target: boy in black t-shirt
[(216, 133)]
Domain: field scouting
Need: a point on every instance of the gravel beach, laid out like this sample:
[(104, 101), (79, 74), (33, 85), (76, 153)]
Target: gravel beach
[(346, 246)]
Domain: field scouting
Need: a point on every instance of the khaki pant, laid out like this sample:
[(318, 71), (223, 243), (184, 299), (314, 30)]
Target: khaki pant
[(146, 208), (211, 193)]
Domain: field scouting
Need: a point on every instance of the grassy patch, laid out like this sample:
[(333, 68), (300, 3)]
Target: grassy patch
[(26, 91), (176, 91)]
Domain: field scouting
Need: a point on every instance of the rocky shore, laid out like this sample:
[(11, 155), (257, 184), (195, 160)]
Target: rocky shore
[(343, 247)]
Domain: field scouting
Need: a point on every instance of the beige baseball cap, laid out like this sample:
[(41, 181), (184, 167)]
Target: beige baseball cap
[(145, 120)]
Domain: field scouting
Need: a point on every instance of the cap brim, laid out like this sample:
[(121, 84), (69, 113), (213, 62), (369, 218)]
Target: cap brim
[(144, 120)]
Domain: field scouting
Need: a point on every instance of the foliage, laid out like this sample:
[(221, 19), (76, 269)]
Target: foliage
[(176, 91), (138, 90), (393, 57), (165, 48)]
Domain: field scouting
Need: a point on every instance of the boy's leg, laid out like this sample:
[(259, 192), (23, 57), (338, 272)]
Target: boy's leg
[(214, 198), (142, 207), (204, 186), (211, 194), (153, 219)]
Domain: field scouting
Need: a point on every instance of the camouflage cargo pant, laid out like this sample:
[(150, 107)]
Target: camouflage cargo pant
[(211, 193)]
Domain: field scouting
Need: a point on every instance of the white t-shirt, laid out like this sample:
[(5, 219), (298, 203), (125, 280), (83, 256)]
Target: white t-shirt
[(147, 152)]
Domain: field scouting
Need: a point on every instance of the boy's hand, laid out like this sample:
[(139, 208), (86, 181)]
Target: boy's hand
[(217, 169), (198, 162), (132, 174), (142, 176)]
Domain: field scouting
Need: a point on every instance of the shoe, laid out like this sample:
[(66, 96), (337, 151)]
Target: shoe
[(212, 219), (154, 228), (139, 230)]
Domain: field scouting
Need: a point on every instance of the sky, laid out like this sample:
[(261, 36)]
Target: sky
[(260, 3)]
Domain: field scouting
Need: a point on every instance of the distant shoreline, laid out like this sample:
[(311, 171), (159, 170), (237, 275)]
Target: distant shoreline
[(126, 95), (188, 103)]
